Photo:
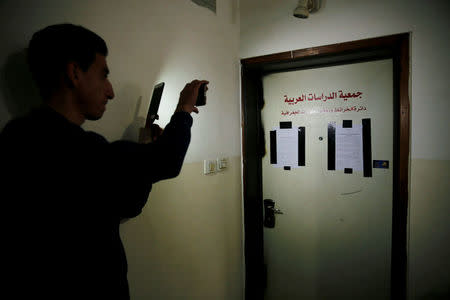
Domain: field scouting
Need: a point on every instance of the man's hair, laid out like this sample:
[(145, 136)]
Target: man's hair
[(52, 48)]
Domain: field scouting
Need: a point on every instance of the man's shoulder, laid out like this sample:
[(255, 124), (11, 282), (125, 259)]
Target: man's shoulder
[(16, 126), (34, 119)]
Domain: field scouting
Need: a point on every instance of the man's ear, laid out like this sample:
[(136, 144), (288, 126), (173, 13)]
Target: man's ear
[(72, 74)]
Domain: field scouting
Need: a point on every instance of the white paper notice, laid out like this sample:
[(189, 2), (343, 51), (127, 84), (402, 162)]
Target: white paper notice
[(349, 152), (287, 148)]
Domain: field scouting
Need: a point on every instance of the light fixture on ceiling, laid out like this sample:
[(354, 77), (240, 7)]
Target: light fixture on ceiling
[(305, 7)]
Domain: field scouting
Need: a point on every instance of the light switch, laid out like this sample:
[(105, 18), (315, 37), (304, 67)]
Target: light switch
[(209, 166), (222, 163)]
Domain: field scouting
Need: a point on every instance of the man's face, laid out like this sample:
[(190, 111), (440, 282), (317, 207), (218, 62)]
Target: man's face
[(94, 89)]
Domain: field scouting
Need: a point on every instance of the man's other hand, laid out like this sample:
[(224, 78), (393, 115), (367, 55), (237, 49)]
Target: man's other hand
[(156, 132), (149, 135)]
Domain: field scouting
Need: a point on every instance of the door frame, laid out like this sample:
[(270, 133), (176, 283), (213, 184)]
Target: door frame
[(253, 144)]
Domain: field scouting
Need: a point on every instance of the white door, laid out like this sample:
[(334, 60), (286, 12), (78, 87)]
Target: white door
[(333, 240)]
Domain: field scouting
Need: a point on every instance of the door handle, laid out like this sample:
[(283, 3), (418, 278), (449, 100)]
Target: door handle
[(277, 211), (269, 213)]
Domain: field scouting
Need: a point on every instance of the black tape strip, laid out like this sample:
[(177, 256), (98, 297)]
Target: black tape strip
[(347, 124), (285, 125), (348, 170), (301, 146), (287, 168), (331, 146), (367, 148), (273, 147)]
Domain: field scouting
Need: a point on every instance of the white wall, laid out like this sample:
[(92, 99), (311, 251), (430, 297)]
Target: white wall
[(151, 41), (267, 26)]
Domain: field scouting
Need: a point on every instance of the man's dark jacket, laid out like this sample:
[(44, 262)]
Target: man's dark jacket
[(64, 192)]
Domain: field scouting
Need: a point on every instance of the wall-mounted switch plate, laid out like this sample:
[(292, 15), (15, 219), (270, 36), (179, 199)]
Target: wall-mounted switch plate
[(222, 163), (209, 166)]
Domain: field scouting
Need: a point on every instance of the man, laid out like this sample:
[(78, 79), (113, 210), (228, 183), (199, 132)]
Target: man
[(65, 189)]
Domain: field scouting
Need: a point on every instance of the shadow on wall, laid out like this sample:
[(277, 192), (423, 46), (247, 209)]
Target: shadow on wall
[(132, 131), (20, 93)]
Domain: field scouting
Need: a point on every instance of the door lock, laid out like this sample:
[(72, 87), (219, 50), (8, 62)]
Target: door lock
[(269, 213)]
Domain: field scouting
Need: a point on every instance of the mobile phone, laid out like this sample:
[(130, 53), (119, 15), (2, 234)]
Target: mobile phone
[(154, 104), (201, 98)]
